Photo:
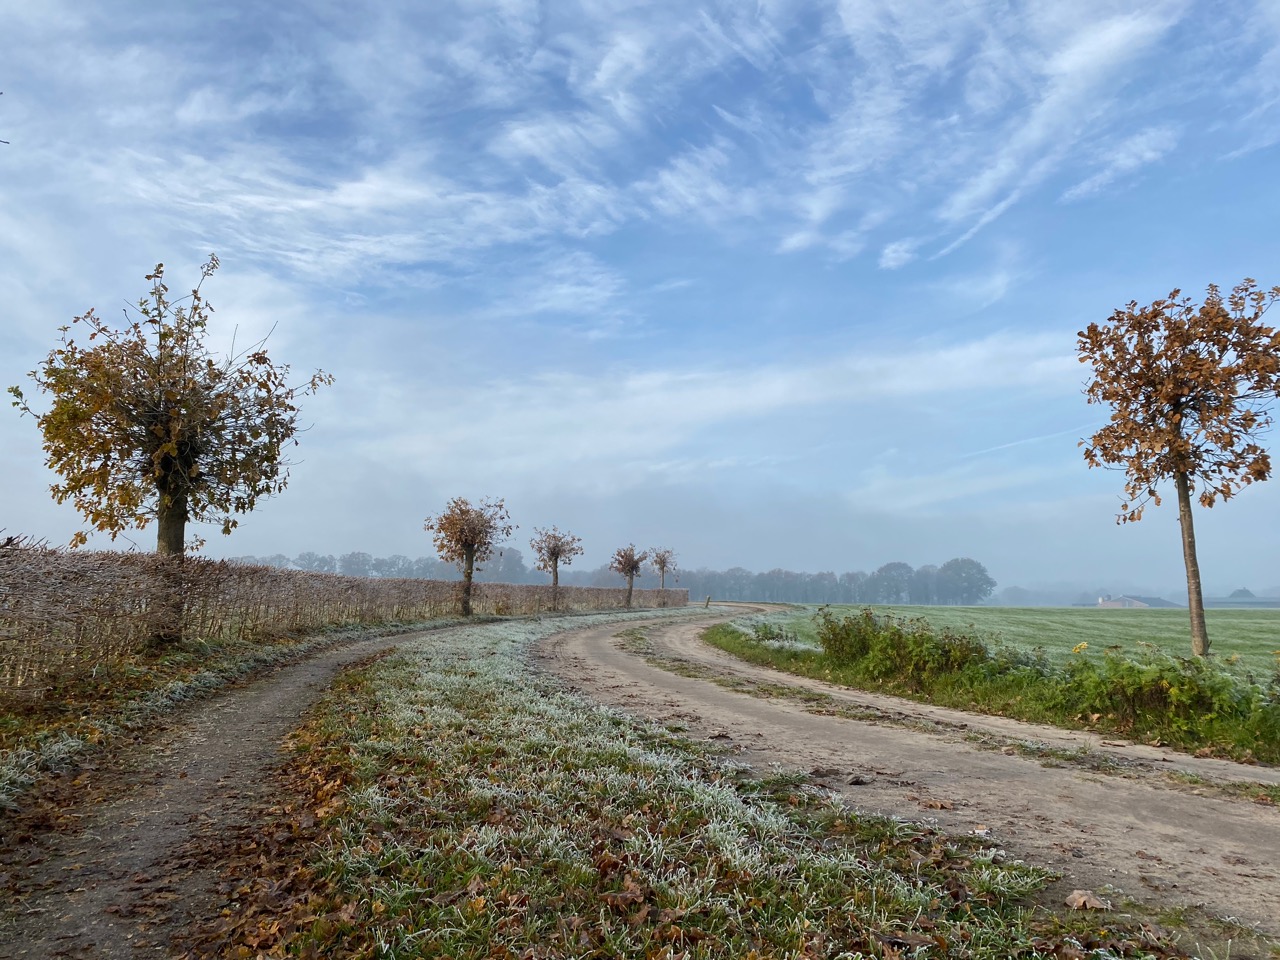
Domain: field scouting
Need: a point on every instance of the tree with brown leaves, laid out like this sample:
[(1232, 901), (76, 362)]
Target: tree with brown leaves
[(553, 548), (466, 535), (628, 563), (147, 423), (663, 561), (1190, 387)]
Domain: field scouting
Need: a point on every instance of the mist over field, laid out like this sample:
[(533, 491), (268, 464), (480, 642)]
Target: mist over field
[(776, 286)]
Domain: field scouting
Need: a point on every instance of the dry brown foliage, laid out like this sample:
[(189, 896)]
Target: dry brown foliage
[(553, 548), (77, 612), (627, 562), (1190, 386), (146, 423), (466, 535)]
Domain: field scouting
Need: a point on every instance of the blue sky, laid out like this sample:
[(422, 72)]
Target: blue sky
[(776, 284)]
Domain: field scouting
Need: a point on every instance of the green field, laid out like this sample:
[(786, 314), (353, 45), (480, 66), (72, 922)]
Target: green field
[(1253, 635)]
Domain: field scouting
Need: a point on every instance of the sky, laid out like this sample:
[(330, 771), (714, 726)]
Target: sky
[(773, 284)]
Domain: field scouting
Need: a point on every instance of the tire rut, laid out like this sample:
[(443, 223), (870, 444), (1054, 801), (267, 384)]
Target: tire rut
[(123, 883)]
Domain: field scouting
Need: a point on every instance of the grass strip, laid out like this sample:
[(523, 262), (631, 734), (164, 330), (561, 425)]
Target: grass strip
[(1190, 704), (470, 808), (85, 711)]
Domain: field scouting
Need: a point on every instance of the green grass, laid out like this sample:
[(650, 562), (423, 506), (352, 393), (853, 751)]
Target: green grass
[(1252, 635), (474, 809), (1215, 706)]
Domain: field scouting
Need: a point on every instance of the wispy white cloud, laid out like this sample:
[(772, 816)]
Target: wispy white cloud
[(1133, 153), (571, 287), (928, 490), (693, 185), (1078, 77), (584, 425), (898, 254)]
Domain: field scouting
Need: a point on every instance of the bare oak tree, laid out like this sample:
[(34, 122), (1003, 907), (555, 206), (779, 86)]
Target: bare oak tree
[(466, 535), (147, 423), (628, 563), (1190, 387), (552, 548)]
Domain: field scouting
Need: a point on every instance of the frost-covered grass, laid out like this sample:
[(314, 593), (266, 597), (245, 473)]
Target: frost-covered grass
[(89, 711), (476, 809), (1252, 636)]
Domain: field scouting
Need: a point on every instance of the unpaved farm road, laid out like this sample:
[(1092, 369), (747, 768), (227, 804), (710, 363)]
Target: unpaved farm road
[(1138, 832), (133, 872), (124, 883)]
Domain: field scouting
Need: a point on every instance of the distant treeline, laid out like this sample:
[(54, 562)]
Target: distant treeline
[(507, 566), (958, 581)]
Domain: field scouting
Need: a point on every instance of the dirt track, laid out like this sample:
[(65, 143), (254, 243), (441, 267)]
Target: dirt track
[(131, 864), (1134, 832), (131, 875)]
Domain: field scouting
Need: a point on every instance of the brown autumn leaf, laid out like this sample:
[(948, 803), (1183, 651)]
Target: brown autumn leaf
[(1086, 900), (630, 893)]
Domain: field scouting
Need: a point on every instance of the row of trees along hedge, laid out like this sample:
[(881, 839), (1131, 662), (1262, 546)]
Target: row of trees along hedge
[(467, 534), (148, 424), (958, 581)]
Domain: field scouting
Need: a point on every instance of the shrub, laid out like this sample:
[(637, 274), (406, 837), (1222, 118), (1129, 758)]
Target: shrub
[(891, 649), (1188, 699), (1191, 702)]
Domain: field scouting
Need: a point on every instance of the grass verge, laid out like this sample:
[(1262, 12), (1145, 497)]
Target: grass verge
[(458, 805), (1191, 704), (83, 712), (1252, 636)]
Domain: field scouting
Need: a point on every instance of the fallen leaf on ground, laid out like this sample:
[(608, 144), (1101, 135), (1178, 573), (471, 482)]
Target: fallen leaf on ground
[(1086, 900)]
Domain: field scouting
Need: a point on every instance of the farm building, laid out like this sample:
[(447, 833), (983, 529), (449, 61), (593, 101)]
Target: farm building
[(1135, 603)]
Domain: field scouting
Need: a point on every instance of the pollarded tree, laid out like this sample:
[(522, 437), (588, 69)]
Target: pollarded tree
[(628, 563), (465, 535), (553, 548), (1190, 387), (147, 423), (663, 562)]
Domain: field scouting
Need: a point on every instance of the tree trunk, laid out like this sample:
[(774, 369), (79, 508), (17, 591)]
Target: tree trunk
[(171, 543), (555, 584), (631, 579), (468, 570), (1195, 599), (171, 525)]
